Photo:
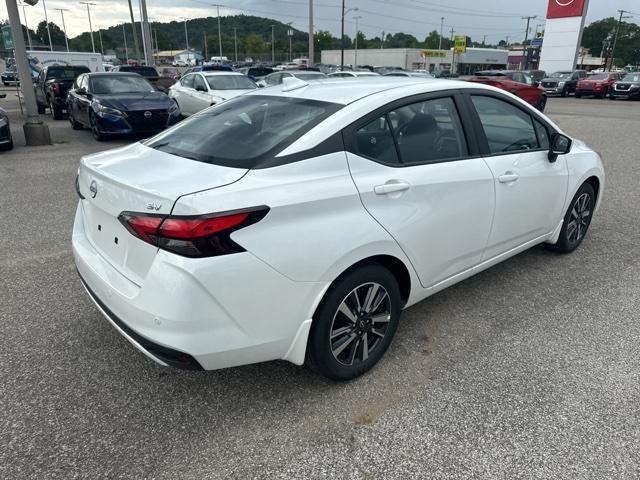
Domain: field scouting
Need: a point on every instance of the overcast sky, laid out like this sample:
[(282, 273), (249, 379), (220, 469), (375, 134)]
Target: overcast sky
[(494, 18)]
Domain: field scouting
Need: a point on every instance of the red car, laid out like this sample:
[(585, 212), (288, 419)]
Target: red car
[(599, 85), (518, 83)]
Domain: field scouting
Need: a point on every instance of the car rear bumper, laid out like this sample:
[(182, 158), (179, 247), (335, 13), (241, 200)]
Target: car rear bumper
[(199, 313)]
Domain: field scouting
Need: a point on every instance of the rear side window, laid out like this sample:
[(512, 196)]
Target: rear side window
[(507, 128), (187, 81), (375, 141), (244, 131), (66, 73), (428, 132)]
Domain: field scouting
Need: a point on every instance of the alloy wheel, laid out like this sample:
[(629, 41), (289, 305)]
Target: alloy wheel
[(360, 323), (579, 218)]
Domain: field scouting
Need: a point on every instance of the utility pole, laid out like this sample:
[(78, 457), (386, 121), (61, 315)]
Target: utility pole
[(155, 33), (310, 62), (453, 52), (146, 34), (100, 36), (46, 20), (93, 45), (35, 131), (615, 38), (186, 37), (219, 31), (124, 37), (64, 27), (133, 29), (273, 45), (24, 14), (204, 49), (290, 35), (344, 12), (452, 31), (355, 61), (235, 43), (484, 40), (524, 64)]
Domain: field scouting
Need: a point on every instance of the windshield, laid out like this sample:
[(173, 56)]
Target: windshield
[(66, 73), (229, 82), (632, 77), (560, 75), (310, 76), (144, 71), (105, 84), (244, 131), (599, 76)]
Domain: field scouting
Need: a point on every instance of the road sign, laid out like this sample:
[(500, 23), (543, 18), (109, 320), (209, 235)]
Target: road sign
[(434, 53), (7, 38), (536, 42), (460, 44)]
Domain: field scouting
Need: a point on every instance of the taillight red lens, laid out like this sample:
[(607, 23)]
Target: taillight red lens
[(56, 88), (202, 236)]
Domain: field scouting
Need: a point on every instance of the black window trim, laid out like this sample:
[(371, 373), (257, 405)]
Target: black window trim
[(468, 127), (483, 143)]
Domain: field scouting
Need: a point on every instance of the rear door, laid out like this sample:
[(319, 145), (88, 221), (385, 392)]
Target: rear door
[(425, 183), (82, 102), (530, 190), (201, 98), (184, 95)]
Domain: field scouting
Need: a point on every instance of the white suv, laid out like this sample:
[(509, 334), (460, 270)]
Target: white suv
[(297, 222)]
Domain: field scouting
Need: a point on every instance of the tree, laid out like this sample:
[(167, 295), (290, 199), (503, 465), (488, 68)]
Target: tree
[(324, 40), (57, 35), (254, 44), (598, 35)]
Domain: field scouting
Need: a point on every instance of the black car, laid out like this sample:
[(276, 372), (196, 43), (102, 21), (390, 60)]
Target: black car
[(6, 140), (117, 103), (627, 87), (10, 76), (150, 73), (563, 83), (52, 86)]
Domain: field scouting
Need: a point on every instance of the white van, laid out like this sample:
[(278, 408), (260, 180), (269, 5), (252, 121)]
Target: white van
[(38, 59)]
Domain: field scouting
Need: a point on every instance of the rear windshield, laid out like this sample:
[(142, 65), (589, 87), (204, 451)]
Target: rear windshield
[(66, 73), (599, 76), (144, 71), (230, 82), (560, 75), (244, 131), (259, 72), (106, 84), (310, 76)]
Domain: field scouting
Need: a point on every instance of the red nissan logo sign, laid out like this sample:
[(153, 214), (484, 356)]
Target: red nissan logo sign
[(565, 8)]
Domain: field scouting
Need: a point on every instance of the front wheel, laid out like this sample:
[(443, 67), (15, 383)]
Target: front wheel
[(95, 128), (355, 323), (565, 92), (578, 95), (576, 220), (542, 103), (42, 109)]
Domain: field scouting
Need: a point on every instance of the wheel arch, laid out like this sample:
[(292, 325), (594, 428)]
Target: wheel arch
[(595, 183)]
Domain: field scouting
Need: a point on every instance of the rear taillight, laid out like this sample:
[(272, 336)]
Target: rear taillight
[(192, 236), (56, 88)]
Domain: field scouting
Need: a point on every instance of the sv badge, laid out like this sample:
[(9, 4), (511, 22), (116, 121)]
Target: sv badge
[(154, 206)]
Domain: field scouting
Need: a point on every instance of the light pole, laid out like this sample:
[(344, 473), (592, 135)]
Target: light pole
[(290, 34), (24, 14), (219, 34), (46, 20), (615, 38), (147, 43), (124, 37), (133, 30), (310, 61), (100, 37), (186, 37), (235, 42), (355, 61), (35, 131), (440, 42), (524, 46), (344, 12), (273, 45), (93, 45), (64, 27)]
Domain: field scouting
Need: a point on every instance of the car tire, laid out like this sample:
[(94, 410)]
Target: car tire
[(41, 110), (56, 112), (95, 129), (74, 124), (7, 146), (578, 95), (565, 92), (576, 220), (542, 103), (355, 323)]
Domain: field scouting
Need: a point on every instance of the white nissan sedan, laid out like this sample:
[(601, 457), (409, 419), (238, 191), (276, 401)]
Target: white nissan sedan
[(199, 90), (297, 222)]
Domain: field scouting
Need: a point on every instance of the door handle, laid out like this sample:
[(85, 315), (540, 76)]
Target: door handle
[(391, 188), (508, 177)]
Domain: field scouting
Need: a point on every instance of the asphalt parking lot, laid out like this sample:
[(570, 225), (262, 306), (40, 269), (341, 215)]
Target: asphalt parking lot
[(528, 370)]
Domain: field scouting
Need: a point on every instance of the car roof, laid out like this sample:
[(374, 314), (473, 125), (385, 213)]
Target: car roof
[(113, 74), (345, 93), (217, 73)]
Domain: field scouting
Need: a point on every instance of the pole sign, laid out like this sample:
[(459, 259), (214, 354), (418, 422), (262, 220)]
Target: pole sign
[(460, 44), (434, 53), (565, 8), (7, 38)]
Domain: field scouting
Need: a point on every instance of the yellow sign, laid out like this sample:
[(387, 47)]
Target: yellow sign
[(460, 44), (434, 53)]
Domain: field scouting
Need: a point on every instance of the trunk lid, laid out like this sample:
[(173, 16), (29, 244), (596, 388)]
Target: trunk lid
[(137, 178)]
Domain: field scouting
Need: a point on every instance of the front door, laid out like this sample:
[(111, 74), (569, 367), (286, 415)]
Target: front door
[(530, 190), (418, 178)]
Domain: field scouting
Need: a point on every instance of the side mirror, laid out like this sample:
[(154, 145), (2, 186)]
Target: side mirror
[(536, 84), (81, 91), (161, 89), (560, 145), (201, 88)]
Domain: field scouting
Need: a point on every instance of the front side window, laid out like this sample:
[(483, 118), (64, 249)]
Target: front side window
[(198, 83), (428, 131), (230, 82), (375, 141), (243, 131), (187, 81), (507, 128)]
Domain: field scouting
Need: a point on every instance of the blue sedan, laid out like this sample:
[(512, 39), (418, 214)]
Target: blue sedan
[(119, 104)]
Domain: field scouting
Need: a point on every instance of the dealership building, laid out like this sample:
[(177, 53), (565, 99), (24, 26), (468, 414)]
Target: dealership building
[(471, 61)]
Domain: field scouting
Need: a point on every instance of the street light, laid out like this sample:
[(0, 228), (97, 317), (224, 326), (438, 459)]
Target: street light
[(186, 37), (273, 45), (100, 36), (24, 14), (64, 27), (124, 37), (290, 34), (440, 43), (93, 45), (355, 61), (344, 12), (46, 20)]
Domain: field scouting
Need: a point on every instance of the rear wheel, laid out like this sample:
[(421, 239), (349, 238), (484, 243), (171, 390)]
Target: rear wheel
[(42, 109), (565, 92), (355, 323), (576, 220), (56, 111), (578, 95)]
